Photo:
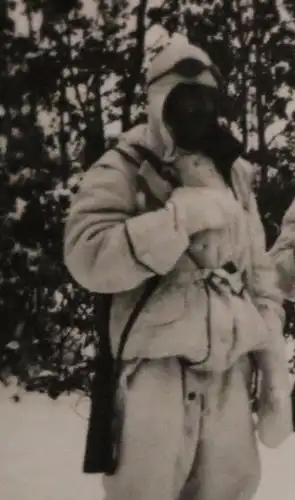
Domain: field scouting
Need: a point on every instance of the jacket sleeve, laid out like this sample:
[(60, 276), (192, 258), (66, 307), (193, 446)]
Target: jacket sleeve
[(267, 294), (283, 252), (108, 247)]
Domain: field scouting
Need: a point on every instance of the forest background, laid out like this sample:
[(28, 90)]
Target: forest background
[(72, 77)]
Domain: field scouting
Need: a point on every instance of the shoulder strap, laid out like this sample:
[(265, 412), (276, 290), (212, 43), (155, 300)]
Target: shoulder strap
[(152, 283), (127, 156), (146, 154), (150, 287), (156, 163), (104, 338), (103, 304)]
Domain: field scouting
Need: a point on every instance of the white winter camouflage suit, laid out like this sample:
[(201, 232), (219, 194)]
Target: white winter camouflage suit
[(283, 253), (188, 431)]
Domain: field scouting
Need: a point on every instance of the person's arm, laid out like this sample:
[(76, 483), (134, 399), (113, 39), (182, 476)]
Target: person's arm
[(266, 291), (274, 404), (283, 252), (108, 247)]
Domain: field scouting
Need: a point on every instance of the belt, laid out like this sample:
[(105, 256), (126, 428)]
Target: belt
[(224, 279)]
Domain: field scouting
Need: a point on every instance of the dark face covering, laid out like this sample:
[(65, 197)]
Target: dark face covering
[(191, 112)]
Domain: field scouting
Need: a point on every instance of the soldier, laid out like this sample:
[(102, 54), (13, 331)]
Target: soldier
[(188, 431)]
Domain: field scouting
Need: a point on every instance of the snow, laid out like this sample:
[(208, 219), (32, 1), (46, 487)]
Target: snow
[(113, 129), (274, 133), (285, 65), (48, 120), (156, 3), (290, 107), (286, 17), (156, 36), (20, 206), (58, 299), (284, 92), (42, 445), (3, 143), (88, 351), (21, 22), (89, 8)]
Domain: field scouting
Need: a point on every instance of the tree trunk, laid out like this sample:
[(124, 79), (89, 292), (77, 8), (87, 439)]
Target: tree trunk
[(34, 145), (243, 59), (258, 80), (94, 133), (62, 135), (244, 54), (137, 58)]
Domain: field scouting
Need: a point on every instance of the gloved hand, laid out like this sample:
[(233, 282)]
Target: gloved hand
[(274, 417), (198, 209), (274, 402)]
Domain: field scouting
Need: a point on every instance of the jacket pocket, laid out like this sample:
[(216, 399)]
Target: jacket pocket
[(166, 305)]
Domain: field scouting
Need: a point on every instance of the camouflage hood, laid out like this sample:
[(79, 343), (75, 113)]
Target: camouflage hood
[(179, 62)]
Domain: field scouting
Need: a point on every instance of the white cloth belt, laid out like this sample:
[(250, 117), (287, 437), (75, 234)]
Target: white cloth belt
[(222, 280)]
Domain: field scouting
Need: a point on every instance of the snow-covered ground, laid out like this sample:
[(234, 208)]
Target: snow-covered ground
[(42, 444)]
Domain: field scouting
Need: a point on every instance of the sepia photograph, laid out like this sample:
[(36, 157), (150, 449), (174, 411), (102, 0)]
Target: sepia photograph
[(147, 249)]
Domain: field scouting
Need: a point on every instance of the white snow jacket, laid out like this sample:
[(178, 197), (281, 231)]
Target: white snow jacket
[(283, 254), (115, 240)]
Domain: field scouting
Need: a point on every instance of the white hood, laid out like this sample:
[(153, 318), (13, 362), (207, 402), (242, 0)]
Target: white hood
[(159, 138)]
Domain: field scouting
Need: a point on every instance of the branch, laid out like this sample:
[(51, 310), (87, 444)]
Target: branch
[(136, 68), (29, 15), (163, 4), (241, 33), (105, 14), (70, 68)]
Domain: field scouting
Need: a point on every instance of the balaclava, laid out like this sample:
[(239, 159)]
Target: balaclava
[(190, 112)]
